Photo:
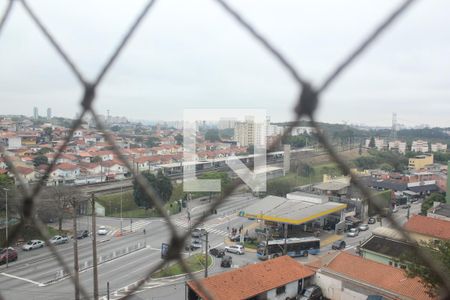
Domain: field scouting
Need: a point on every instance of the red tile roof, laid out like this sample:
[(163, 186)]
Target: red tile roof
[(24, 170), (253, 279), (378, 275), (429, 226)]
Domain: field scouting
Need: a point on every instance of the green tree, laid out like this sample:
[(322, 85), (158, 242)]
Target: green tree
[(179, 139), (386, 167), (297, 141), (212, 135), (440, 252), (116, 128), (372, 142), (428, 202), (305, 170), (40, 160), (96, 159), (43, 151), (152, 142), (160, 183), (251, 149)]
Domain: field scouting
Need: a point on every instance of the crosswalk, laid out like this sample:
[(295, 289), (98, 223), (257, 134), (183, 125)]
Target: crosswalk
[(183, 223), (135, 226)]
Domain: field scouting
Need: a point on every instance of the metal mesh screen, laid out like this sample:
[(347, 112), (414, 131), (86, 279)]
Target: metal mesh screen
[(306, 104)]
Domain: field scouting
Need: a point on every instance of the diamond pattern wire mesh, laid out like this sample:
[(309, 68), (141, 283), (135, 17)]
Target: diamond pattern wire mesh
[(305, 107)]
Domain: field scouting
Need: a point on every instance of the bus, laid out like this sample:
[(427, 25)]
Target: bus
[(295, 247)]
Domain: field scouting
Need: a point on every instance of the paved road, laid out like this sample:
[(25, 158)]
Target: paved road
[(124, 260)]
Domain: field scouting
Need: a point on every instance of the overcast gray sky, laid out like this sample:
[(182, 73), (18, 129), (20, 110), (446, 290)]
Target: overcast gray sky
[(192, 54)]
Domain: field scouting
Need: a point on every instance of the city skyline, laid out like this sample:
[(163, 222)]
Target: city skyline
[(175, 62)]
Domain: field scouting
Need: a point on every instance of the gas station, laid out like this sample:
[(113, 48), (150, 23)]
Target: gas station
[(299, 214)]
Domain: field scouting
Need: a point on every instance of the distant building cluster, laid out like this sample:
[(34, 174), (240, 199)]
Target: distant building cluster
[(401, 146)]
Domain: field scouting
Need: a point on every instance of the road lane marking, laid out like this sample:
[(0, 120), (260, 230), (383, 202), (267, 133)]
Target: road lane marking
[(23, 279)]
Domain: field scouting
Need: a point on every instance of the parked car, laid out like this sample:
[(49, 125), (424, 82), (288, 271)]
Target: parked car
[(237, 249), (58, 239), (33, 244), (198, 232), (338, 245), (226, 262), (9, 253), (352, 232), (395, 209), (406, 206), (102, 230), (217, 252), (363, 227), (372, 220), (81, 234), (312, 293)]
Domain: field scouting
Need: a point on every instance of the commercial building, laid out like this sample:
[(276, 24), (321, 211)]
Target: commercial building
[(279, 278), (299, 213), (420, 161)]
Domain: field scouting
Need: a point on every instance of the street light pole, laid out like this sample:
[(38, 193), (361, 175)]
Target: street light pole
[(121, 219), (206, 254), (7, 242)]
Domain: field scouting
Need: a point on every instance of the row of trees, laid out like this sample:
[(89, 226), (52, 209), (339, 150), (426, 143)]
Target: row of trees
[(386, 160)]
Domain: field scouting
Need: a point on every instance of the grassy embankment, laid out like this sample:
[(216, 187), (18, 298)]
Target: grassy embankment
[(111, 202), (195, 263)]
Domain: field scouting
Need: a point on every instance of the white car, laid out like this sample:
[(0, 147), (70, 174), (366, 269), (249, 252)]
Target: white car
[(353, 232), (237, 249), (102, 230), (33, 244), (58, 239)]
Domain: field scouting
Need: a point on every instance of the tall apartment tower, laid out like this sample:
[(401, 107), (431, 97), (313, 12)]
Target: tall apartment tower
[(35, 113), (49, 113)]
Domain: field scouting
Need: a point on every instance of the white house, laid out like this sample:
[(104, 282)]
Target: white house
[(65, 171), (279, 278), (10, 140), (348, 276)]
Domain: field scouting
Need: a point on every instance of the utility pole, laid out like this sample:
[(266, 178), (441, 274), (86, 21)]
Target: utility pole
[(206, 254), (94, 248), (75, 252), (6, 232), (285, 239), (107, 290)]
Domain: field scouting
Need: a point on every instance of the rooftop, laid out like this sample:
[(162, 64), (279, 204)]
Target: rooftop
[(278, 209), (429, 226), (443, 209), (388, 247), (251, 280), (377, 275)]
